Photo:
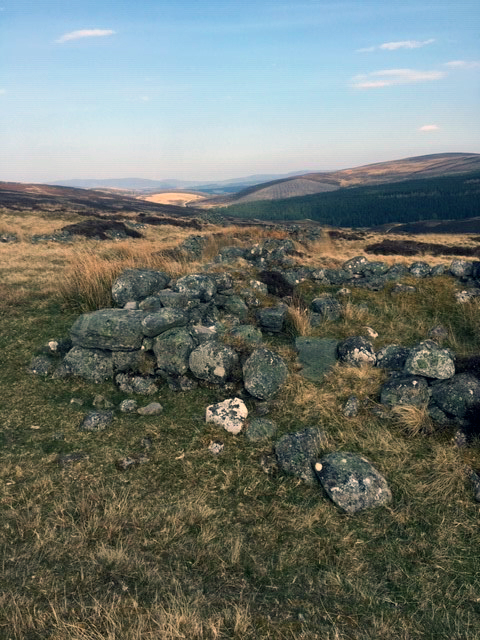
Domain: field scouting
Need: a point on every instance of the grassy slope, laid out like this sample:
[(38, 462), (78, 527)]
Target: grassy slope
[(190, 545)]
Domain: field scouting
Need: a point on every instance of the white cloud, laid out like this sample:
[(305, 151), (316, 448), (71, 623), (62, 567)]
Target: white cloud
[(85, 33), (393, 77), (429, 127), (2, 92), (401, 44), (463, 64)]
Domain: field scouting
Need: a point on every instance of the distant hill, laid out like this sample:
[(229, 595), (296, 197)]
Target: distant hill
[(420, 167)]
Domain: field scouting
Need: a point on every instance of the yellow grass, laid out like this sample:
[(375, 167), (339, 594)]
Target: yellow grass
[(180, 199)]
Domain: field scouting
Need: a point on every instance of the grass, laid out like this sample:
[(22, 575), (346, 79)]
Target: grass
[(196, 546)]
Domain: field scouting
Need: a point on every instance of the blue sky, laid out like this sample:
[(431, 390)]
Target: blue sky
[(212, 89)]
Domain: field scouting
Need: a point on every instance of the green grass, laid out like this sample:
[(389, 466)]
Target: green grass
[(195, 546)]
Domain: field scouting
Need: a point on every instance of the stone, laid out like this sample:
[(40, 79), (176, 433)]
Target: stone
[(229, 414), (223, 281), (371, 333), (405, 390), (420, 269), (136, 384), (351, 407), (403, 288), (152, 409), (128, 406), (41, 365), (137, 284), (181, 383), (337, 276), (172, 350), (236, 306), (258, 287), (438, 333), (230, 254), (260, 429), (172, 299), (65, 459), (396, 272), (57, 347), (459, 396), (317, 356), (213, 362), (197, 287), (216, 447), (156, 323), (356, 351), (100, 402), (264, 373), (351, 482), (461, 268), (273, 318), (247, 333), (427, 359), (96, 421), (141, 361), (112, 329), (150, 304), (201, 333), (296, 453), (357, 265), (392, 357), (329, 308), (89, 364)]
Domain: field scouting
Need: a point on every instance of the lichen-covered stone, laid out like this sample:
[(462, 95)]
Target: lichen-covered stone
[(351, 482), (152, 409), (357, 265), (405, 390), (351, 407), (213, 362), (459, 396), (156, 323), (197, 287), (41, 365), (296, 453), (420, 269), (113, 329), (137, 284), (172, 299), (392, 357), (356, 350), (229, 414), (247, 333), (172, 350), (461, 268), (316, 356), (128, 406), (142, 361), (136, 384), (89, 364), (328, 307), (96, 421), (264, 373), (260, 429), (272, 318), (427, 359)]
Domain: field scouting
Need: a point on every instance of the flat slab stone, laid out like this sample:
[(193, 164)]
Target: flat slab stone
[(260, 429), (317, 356), (229, 414), (112, 329), (137, 284), (351, 482), (296, 453)]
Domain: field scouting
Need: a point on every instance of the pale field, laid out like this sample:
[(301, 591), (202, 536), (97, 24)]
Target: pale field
[(173, 197)]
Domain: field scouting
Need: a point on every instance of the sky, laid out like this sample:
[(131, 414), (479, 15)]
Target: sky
[(217, 89)]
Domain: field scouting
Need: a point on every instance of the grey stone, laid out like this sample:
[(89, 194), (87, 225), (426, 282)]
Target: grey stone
[(337, 276), (236, 306), (213, 362), (131, 306), (128, 406), (392, 357), (273, 318), (296, 453), (156, 323), (247, 333), (403, 288), (89, 364), (438, 333), (350, 409), (420, 269), (41, 365), (230, 254), (396, 272), (317, 356), (172, 350), (181, 383), (357, 265), (427, 359), (461, 268), (172, 299), (100, 402), (137, 284), (356, 350), (150, 304), (96, 421), (65, 459), (376, 268), (193, 245), (136, 384), (197, 287), (260, 429), (259, 287), (264, 373), (405, 390), (152, 409), (327, 307), (141, 361), (113, 329), (351, 482), (438, 270), (57, 347), (229, 414), (201, 333), (223, 281), (459, 396)]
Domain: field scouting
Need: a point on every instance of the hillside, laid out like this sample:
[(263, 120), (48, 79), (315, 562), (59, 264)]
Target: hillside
[(421, 167)]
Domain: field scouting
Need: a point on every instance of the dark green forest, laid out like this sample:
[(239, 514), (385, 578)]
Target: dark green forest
[(450, 197)]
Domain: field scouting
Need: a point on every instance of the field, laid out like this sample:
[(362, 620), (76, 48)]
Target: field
[(195, 546)]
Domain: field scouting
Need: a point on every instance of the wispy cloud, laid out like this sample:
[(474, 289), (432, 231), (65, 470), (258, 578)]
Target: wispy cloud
[(393, 77), (429, 127), (463, 64), (85, 33), (394, 46)]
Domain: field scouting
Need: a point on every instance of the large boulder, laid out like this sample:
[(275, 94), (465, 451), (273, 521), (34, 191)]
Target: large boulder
[(459, 396), (317, 356), (392, 357), (351, 482), (405, 390), (427, 359), (229, 414), (137, 284), (461, 268), (213, 362), (113, 329), (197, 286), (89, 364), (172, 350), (264, 373), (356, 350), (296, 453), (156, 323)]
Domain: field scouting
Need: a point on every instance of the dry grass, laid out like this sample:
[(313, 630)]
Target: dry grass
[(413, 420)]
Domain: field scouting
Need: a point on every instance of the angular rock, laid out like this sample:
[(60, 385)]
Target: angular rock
[(67, 458), (41, 365), (350, 409), (317, 356), (113, 329), (427, 359), (459, 396), (197, 287), (201, 333), (100, 402), (172, 350), (356, 350), (213, 362), (172, 299), (357, 265), (96, 421), (223, 281), (328, 307), (229, 414), (420, 269), (264, 372), (351, 482), (247, 333), (89, 364), (150, 304), (128, 406), (259, 287), (141, 361), (137, 284), (392, 357), (273, 318), (296, 453), (152, 409), (260, 429), (136, 384), (236, 306), (405, 390), (154, 324)]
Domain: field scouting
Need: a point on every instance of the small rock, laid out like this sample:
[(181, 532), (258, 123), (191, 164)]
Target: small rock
[(350, 409), (41, 365), (356, 350), (260, 429), (296, 451), (428, 360), (405, 390), (100, 402), (181, 383), (136, 384), (126, 463), (96, 421), (264, 373), (76, 401), (152, 409), (229, 414), (438, 333), (128, 406), (216, 447), (68, 458), (403, 288), (371, 333)]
